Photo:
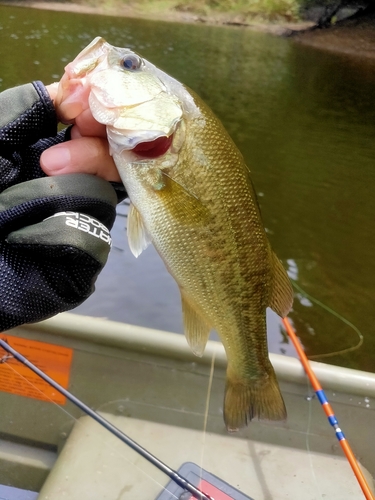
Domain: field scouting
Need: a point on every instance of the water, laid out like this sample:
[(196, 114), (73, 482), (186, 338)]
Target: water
[(303, 119)]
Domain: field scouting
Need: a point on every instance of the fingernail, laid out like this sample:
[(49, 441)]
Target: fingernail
[(55, 158)]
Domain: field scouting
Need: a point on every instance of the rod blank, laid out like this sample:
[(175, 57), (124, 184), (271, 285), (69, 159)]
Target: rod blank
[(172, 474)]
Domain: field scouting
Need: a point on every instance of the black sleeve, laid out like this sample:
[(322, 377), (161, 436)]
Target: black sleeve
[(27, 115), (28, 126)]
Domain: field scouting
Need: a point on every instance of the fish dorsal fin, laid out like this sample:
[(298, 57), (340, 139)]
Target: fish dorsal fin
[(196, 329), (138, 236), (282, 292)]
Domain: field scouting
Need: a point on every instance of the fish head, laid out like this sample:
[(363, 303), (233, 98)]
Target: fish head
[(142, 107)]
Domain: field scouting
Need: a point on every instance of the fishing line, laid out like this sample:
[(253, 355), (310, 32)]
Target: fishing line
[(338, 316), (172, 474), (150, 405), (207, 407)]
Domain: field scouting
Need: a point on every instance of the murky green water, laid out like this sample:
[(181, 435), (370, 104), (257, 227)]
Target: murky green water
[(305, 122)]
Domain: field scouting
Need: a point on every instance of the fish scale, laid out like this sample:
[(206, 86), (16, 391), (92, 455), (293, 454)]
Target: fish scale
[(195, 202)]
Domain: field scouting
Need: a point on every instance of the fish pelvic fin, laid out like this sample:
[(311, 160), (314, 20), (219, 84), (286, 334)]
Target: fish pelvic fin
[(246, 399), (138, 236), (282, 292), (196, 329)]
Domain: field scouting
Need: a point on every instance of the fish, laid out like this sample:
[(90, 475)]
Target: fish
[(191, 196)]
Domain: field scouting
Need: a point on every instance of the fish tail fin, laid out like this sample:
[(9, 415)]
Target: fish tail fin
[(246, 399)]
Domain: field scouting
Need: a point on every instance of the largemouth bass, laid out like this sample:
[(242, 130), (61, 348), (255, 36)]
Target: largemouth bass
[(193, 198)]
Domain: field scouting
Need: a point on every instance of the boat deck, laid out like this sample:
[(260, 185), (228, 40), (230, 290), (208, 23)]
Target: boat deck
[(150, 386), (96, 465)]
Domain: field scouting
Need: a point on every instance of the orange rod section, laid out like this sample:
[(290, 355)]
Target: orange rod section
[(329, 412)]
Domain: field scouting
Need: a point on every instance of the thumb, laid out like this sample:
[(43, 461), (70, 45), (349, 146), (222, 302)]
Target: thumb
[(88, 155)]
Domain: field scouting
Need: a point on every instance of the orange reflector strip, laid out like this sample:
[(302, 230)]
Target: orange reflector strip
[(54, 360)]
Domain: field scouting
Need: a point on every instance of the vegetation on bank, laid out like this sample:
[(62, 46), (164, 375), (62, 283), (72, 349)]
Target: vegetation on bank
[(241, 11), (243, 8), (271, 14)]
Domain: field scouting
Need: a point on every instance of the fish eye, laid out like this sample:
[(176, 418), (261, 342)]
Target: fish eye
[(131, 62)]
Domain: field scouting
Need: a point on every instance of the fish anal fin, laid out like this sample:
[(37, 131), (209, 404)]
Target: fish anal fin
[(138, 236), (282, 292), (196, 329), (247, 398)]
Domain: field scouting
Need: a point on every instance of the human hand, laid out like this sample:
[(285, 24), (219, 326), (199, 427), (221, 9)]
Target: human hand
[(88, 149), (54, 241)]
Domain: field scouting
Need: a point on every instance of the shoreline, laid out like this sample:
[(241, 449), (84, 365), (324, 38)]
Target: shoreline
[(177, 16), (352, 37)]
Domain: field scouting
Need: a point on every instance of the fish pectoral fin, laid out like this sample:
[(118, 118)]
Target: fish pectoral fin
[(138, 236), (282, 291), (188, 209), (196, 329)]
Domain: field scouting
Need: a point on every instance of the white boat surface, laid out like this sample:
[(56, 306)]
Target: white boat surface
[(149, 385)]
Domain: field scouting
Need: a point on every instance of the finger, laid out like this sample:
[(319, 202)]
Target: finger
[(88, 155), (52, 90), (88, 126)]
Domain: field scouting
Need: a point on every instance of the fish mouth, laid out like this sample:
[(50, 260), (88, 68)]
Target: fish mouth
[(141, 144), (153, 149)]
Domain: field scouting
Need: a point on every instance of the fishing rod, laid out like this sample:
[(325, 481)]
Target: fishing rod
[(172, 474), (328, 411)]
